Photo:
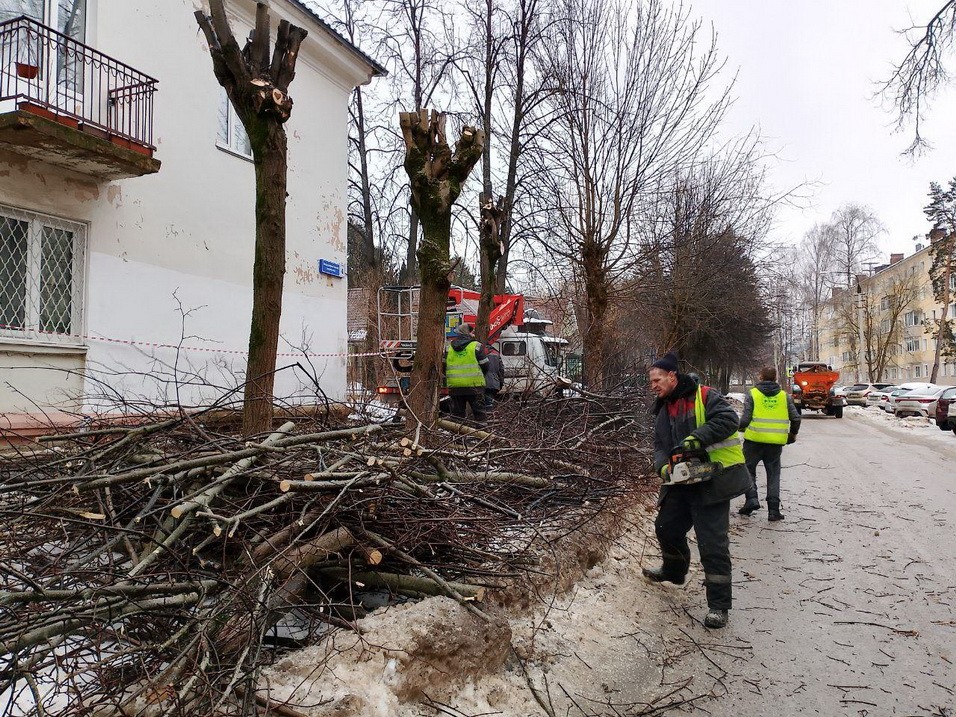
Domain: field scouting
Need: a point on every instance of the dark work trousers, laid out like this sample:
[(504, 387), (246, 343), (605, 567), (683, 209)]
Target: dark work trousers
[(491, 395), (459, 406), (682, 510), (770, 454)]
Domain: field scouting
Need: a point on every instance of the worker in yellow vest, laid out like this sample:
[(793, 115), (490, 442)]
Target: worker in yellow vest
[(769, 422), (695, 434), (465, 366)]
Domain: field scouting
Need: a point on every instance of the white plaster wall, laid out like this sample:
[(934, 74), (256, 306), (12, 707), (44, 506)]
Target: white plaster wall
[(182, 240)]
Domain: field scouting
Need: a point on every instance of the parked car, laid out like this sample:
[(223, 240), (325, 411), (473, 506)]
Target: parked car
[(903, 389), (878, 398), (918, 402), (947, 398), (856, 394), (951, 416)]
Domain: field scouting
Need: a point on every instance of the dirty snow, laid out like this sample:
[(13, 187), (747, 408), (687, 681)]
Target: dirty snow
[(911, 426)]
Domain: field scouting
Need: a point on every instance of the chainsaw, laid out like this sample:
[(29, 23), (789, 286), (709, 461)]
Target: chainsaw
[(691, 465)]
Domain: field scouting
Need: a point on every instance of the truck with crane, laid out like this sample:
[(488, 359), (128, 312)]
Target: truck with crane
[(531, 356)]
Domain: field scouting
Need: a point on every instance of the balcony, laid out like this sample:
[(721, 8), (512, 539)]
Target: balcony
[(67, 104)]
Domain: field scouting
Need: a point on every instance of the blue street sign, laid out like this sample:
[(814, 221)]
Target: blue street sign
[(330, 268)]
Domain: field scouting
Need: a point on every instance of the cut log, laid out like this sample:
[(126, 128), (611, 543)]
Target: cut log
[(398, 583), (304, 556), (463, 429)]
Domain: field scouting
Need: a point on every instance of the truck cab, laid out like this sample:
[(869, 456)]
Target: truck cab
[(531, 356)]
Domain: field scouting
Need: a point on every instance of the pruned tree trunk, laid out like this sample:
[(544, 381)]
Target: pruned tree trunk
[(257, 84), (436, 178), (490, 251), (597, 300)]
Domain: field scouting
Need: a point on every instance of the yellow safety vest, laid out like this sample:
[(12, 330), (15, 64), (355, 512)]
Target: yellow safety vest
[(462, 369), (771, 419), (728, 452)]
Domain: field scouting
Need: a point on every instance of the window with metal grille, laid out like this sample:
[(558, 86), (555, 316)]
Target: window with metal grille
[(42, 267)]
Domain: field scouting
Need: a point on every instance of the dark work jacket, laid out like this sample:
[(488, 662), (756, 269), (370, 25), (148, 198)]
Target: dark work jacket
[(675, 420), (495, 376), (769, 388)]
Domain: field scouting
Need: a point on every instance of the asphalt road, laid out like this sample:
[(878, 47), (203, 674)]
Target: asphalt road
[(848, 606)]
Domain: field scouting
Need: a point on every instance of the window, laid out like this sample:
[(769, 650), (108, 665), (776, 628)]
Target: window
[(912, 345), (885, 303), (917, 372), (232, 135), (42, 265), (912, 318), (67, 17), (885, 326), (513, 348)]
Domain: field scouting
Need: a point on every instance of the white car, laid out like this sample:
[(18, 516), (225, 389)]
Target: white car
[(918, 402), (952, 415), (903, 388), (878, 398)]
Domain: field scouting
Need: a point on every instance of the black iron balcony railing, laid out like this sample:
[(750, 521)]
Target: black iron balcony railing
[(49, 73)]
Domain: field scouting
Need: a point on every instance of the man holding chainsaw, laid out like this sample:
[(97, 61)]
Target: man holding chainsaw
[(698, 455)]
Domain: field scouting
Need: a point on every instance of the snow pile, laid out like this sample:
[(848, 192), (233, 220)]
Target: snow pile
[(909, 426), (406, 653)]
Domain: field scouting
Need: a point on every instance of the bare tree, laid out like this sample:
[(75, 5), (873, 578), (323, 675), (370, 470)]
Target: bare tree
[(942, 212), (506, 89), (921, 73), (870, 318), (854, 229), (632, 105), (437, 176), (258, 87), (814, 274), (423, 48)]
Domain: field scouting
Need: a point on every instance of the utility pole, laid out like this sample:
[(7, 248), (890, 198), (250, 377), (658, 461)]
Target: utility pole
[(859, 340)]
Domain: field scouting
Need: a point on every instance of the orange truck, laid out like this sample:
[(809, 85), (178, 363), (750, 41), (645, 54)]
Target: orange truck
[(813, 389)]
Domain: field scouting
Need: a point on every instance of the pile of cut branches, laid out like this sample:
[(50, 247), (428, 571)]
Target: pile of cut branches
[(157, 566)]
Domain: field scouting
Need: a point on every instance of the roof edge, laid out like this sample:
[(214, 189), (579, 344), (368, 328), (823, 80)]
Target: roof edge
[(377, 69)]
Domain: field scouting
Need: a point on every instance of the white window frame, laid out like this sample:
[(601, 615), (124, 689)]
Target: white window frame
[(31, 332), (912, 345), (235, 132)]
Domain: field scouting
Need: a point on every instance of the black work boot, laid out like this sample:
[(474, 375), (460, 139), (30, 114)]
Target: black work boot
[(773, 511), (750, 506), (657, 575), (715, 619)]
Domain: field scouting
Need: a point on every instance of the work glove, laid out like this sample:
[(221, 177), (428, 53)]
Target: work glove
[(691, 443), (666, 473), (791, 438)]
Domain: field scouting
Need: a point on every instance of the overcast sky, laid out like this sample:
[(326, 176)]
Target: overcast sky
[(808, 70)]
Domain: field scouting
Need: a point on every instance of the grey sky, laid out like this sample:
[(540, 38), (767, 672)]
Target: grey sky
[(808, 71)]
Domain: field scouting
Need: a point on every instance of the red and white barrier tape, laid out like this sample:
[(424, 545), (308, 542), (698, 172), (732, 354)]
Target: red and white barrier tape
[(205, 349)]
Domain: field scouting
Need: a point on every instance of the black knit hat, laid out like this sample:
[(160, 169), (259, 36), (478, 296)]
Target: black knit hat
[(667, 362)]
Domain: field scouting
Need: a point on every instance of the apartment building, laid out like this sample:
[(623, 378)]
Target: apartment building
[(887, 313), (127, 200)]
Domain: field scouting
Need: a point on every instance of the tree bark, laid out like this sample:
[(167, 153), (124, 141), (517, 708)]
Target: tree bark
[(258, 90), (490, 251), (269, 150), (597, 299), (436, 176)]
